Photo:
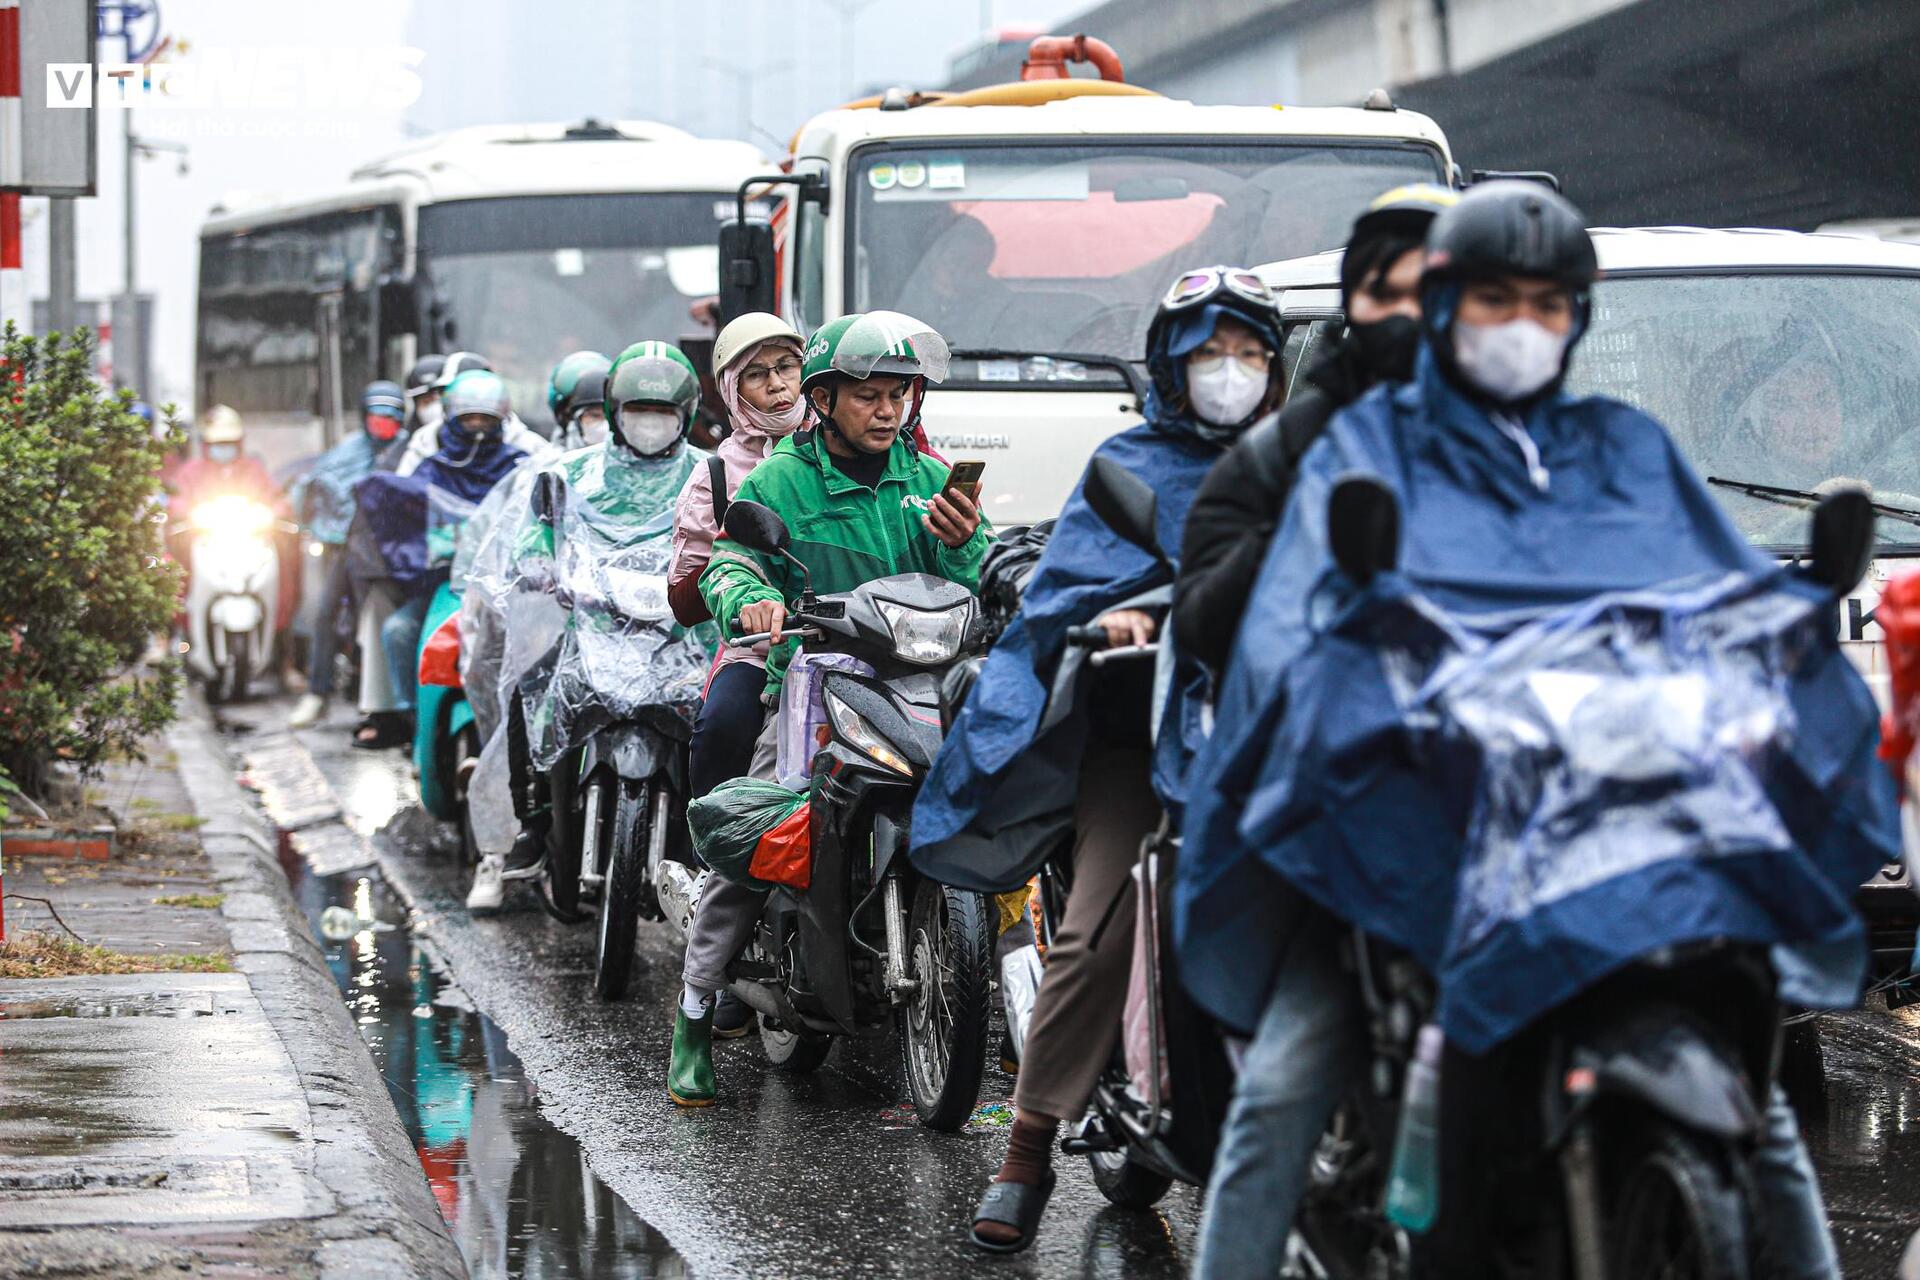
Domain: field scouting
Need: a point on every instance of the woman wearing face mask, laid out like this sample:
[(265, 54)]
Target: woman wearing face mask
[(1238, 508), (1573, 497), (756, 360), (322, 503), (1211, 356), (602, 500), (578, 417)]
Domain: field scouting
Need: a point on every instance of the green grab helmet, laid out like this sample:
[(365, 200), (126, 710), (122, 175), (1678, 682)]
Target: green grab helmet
[(566, 375), (860, 345), (656, 373)]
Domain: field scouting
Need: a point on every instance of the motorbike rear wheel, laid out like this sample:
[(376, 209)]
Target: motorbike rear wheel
[(1125, 1182), (1678, 1213), (943, 1029), (466, 750), (620, 895), (791, 1051)]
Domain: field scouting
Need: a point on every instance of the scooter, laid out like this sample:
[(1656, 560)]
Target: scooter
[(869, 945), (233, 592), (1638, 1101), (446, 741), (1156, 1111)]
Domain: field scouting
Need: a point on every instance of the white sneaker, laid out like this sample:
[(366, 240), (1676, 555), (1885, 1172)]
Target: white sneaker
[(489, 890), (307, 712)]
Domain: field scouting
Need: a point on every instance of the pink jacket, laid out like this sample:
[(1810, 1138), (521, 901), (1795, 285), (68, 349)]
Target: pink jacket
[(694, 528)]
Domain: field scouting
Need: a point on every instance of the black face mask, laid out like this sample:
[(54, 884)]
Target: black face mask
[(1387, 347)]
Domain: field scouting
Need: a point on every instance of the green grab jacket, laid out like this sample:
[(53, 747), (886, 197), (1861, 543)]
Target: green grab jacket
[(845, 533)]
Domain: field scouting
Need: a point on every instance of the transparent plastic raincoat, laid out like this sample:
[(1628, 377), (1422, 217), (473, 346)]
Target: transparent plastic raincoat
[(577, 579)]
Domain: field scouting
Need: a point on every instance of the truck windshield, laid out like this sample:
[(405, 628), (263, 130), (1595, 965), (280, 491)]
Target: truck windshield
[(1045, 248), (527, 279), (1789, 382)]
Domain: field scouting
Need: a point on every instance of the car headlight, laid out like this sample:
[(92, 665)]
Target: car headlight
[(922, 637), (232, 515), (853, 726)]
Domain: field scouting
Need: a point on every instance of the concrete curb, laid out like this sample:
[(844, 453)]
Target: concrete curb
[(388, 1223)]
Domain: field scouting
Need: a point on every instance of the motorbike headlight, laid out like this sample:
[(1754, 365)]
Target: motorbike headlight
[(232, 516), (853, 726), (922, 637)]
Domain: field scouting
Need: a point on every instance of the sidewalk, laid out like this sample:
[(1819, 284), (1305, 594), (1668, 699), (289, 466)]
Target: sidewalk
[(205, 1106)]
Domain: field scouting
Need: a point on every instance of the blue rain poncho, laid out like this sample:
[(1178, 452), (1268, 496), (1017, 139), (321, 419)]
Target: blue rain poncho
[(412, 520), (322, 498), (992, 805), (1437, 759)]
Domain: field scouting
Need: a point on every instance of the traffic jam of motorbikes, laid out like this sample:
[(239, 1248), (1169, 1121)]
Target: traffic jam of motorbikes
[(1279, 688)]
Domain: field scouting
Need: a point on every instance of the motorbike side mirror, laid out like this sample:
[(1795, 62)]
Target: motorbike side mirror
[(1842, 540), (759, 527), (1363, 528), (1125, 504)]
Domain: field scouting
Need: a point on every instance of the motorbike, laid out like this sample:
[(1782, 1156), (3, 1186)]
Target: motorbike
[(446, 740), (1608, 1140), (869, 946), (233, 591), (1156, 1111)]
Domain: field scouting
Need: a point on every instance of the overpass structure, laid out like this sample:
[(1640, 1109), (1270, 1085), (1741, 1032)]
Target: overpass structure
[(1785, 113)]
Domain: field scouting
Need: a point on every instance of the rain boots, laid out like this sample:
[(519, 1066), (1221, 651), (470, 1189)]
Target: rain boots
[(690, 1074)]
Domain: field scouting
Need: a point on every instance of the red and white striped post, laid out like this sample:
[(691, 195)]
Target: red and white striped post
[(13, 281)]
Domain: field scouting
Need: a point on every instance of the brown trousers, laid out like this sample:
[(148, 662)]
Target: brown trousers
[(1076, 1016)]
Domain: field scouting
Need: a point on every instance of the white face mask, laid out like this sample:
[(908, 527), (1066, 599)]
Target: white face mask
[(430, 416), (1509, 361), (649, 431), (1224, 391), (593, 428)]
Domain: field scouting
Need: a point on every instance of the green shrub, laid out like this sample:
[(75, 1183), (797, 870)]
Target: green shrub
[(86, 582)]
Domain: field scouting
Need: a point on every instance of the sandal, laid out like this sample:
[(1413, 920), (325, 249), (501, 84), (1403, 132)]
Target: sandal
[(383, 729), (1015, 1204)]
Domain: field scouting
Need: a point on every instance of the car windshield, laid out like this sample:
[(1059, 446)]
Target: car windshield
[(1044, 249), (1788, 381), (527, 279)]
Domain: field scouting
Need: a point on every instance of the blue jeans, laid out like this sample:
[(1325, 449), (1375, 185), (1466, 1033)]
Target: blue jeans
[(335, 595), (400, 637), (730, 719), (1311, 1043)]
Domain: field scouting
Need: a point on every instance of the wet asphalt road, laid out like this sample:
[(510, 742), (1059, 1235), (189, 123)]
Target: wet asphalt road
[(830, 1175)]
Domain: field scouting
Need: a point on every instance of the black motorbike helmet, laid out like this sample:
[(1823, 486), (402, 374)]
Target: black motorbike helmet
[(589, 391), (1512, 228), (1396, 221), (421, 376), (1505, 228)]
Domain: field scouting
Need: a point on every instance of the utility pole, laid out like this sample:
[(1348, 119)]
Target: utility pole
[(126, 335), (849, 10), (61, 250)]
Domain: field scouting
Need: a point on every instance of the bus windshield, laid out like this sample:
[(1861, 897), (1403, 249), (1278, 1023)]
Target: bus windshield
[(527, 279), (1793, 382), (1045, 249)]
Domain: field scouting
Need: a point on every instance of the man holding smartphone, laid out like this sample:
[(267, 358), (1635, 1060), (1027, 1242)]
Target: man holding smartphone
[(861, 502)]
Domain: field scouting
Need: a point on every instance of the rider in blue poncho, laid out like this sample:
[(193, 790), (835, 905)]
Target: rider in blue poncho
[(1003, 792), (1307, 815), (322, 501), (411, 521)]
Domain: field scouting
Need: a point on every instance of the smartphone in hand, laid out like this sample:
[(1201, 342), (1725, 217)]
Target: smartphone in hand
[(965, 478)]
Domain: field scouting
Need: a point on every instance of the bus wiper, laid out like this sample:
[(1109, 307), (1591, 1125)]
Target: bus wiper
[(1125, 368), (1806, 498)]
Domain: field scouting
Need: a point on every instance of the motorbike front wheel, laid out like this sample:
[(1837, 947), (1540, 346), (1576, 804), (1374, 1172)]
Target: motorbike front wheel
[(1678, 1213), (620, 895), (943, 1029), (239, 671), (568, 843)]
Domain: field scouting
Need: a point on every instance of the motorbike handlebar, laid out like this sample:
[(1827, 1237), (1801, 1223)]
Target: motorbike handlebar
[(787, 633), (1091, 636)]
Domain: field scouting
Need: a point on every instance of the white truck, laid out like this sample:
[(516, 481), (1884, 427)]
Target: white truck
[(1037, 224)]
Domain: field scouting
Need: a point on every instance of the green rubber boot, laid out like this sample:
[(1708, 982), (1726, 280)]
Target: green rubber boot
[(690, 1075)]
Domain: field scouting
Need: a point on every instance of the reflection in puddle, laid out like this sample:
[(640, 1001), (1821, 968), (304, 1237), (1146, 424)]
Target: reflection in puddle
[(516, 1192)]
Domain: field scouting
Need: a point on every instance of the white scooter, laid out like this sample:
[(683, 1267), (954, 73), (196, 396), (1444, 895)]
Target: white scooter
[(233, 590)]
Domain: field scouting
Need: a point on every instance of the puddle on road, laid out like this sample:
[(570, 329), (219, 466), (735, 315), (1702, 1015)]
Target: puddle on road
[(516, 1192), (159, 1004)]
